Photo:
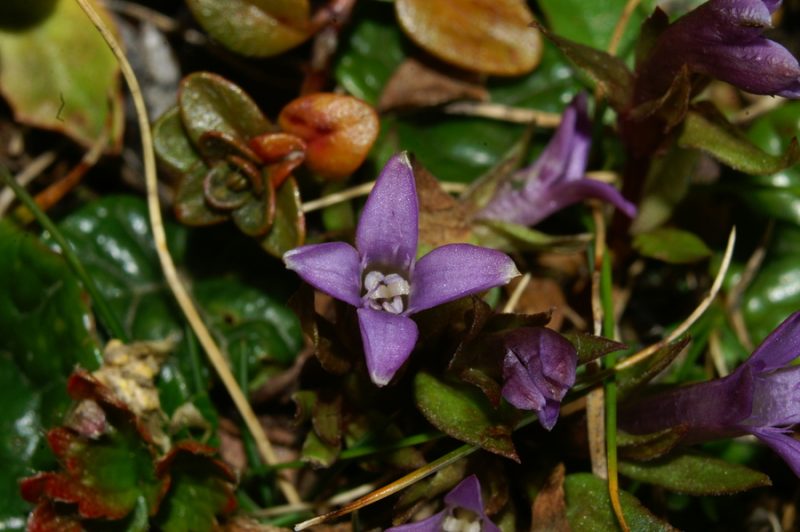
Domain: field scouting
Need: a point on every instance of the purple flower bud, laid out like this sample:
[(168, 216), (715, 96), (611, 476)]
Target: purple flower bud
[(722, 39), (538, 369), (382, 278), (557, 179), (463, 511), (762, 398)]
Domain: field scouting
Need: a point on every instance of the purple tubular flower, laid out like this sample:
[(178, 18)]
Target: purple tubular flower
[(383, 280), (465, 496), (538, 369), (762, 398), (723, 39), (557, 179)]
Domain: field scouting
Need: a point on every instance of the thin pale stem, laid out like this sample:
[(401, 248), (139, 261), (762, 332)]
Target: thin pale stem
[(647, 352), (513, 301), (622, 23), (495, 111), (24, 178), (180, 292), (362, 190)]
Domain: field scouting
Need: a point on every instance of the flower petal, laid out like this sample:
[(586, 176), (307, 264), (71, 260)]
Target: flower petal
[(333, 268), (388, 228), (467, 495), (457, 270), (388, 341), (431, 524), (567, 194), (784, 446), (776, 398), (779, 348), (517, 387)]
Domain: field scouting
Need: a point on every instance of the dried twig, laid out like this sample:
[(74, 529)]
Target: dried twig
[(180, 292), (496, 111), (24, 178)]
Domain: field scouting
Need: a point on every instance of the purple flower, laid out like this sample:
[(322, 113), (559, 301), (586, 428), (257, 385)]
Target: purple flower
[(538, 369), (762, 398), (382, 278), (463, 511), (557, 179), (723, 39)]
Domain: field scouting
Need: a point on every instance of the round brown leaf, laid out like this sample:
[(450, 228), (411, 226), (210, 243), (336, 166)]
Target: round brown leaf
[(339, 131), (487, 36)]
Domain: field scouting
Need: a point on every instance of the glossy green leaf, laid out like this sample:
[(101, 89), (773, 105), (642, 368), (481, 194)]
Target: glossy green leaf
[(47, 83), (112, 237), (707, 131), (452, 148), (674, 246), (46, 327), (463, 412), (209, 102), (370, 51), (548, 88), (256, 28), (695, 474), (172, 145), (289, 226), (593, 27), (589, 507)]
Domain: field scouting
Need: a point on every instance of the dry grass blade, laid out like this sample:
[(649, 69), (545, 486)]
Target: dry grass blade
[(24, 178), (693, 317), (180, 292), (362, 190), (496, 111)]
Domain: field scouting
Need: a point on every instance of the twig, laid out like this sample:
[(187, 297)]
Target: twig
[(513, 301), (55, 192), (622, 23), (496, 111), (748, 274), (362, 190), (24, 178), (694, 316), (180, 292)]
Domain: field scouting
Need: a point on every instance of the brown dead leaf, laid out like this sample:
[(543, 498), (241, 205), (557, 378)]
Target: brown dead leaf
[(542, 295), (550, 507), (417, 84), (442, 219)]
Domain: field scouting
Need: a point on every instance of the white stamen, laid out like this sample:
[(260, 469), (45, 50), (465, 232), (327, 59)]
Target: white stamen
[(454, 524), (385, 292)]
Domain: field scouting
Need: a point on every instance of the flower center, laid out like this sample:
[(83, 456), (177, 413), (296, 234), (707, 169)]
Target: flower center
[(385, 292), (462, 521)]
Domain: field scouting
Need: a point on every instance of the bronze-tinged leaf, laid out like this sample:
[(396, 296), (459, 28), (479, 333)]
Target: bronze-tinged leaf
[(289, 225), (487, 36), (190, 201), (416, 84), (339, 131), (257, 28), (550, 507), (442, 219), (255, 217)]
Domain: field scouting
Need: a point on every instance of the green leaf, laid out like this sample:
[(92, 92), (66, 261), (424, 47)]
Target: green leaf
[(591, 347), (370, 51), (47, 82), (512, 237), (256, 28), (673, 246), (695, 474), (589, 507), (709, 132), (289, 226), (592, 27), (548, 88), (209, 102), (112, 237), (463, 412), (639, 374), (172, 145), (608, 71), (459, 149), (200, 489)]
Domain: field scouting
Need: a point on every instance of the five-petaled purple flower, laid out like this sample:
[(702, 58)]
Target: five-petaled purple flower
[(538, 369), (762, 398), (463, 511), (382, 278), (557, 179), (722, 39)]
